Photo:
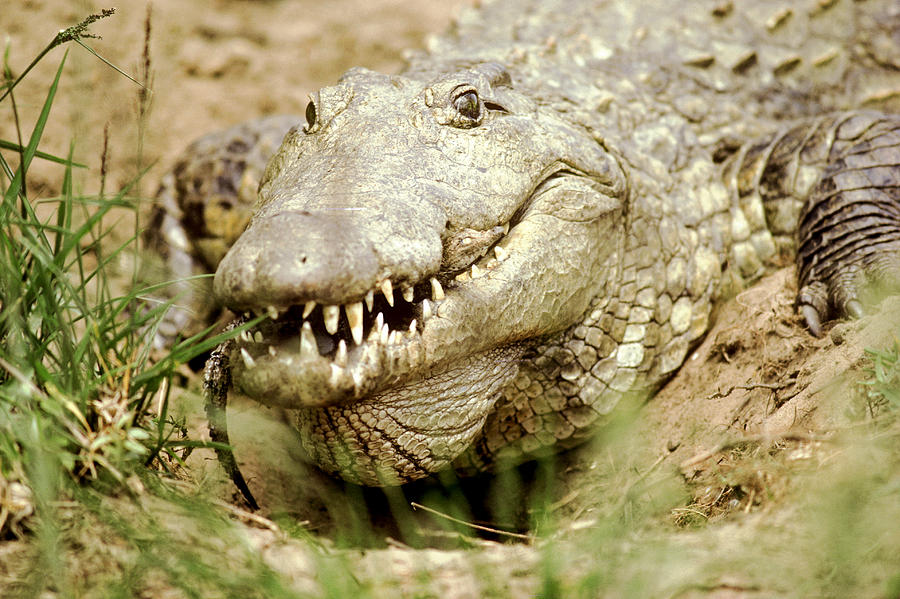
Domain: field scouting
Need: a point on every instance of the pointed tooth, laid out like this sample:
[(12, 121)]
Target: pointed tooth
[(437, 292), (335, 374), (257, 337), (340, 358), (357, 379), (308, 341), (245, 336), (308, 308), (355, 319), (476, 272), (388, 292), (272, 311), (426, 309), (330, 315), (412, 326), (506, 228), (379, 320), (408, 294), (272, 351), (463, 277), (249, 362), (374, 333), (392, 338), (370, 300), (384, 335), (501, 252)]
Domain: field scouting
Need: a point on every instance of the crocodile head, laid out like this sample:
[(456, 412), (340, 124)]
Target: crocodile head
[(410, 242)]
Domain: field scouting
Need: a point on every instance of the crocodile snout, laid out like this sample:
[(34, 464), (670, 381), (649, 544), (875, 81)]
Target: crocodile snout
[(293, 257)]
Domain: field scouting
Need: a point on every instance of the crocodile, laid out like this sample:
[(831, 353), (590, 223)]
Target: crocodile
[(474, 261)]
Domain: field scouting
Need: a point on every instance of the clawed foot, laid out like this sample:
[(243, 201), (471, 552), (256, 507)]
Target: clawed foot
[(848, 237), (842, 296)]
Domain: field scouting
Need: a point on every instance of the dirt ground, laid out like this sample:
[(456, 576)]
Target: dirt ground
[(212, 64), (759, 380)]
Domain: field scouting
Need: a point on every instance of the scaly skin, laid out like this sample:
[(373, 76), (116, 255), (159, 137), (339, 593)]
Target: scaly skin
[(558, 189)]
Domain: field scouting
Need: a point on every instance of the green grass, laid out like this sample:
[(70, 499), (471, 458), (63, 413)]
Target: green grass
[(89, 506), (84, 411)]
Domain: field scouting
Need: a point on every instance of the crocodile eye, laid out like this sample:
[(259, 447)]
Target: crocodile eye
[(467, 105), (310, 116)]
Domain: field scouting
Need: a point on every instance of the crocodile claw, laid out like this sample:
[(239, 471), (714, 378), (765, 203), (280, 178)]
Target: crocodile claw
[(854, 309), (813, 319)]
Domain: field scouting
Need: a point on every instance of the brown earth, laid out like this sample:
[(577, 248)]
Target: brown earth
[(212, 64), (757, 405)]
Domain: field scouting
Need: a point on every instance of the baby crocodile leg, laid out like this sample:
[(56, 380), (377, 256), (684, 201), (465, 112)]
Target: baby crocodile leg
[(216, 385)]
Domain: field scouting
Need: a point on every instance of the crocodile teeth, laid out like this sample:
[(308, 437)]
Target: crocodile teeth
[(408, 294), (384, 335), (273, 312), (308, 340), (506, 228), (379, 320), (340, 358), (245, 336), (258, 337), (463, 277), (501, 253), (412, 326), (308, 308), (426, 309), (392, 338), (370, 300), (476, 272), (330, 315), (437, 292), (272, 351), (249, 362), (355, 318), (335, 374), (388, 292)]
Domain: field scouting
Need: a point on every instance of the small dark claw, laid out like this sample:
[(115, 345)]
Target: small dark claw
[(812, 318), (854, 309)]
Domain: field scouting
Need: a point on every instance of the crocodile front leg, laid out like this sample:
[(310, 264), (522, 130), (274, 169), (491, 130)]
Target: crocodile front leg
[(831, 189), (849, 232)]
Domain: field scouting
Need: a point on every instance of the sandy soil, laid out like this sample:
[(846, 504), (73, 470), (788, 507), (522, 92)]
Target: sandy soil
[(212, 64)]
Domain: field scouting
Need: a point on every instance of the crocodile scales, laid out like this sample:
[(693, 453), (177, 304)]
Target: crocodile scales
[(477, 259)]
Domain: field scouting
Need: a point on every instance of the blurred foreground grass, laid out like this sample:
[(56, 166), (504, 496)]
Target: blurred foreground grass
[(89, 506)]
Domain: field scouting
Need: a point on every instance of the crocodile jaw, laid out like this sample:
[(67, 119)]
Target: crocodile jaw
[(404, 402)]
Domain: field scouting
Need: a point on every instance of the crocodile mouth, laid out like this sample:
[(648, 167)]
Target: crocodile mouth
[(315, 355)]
